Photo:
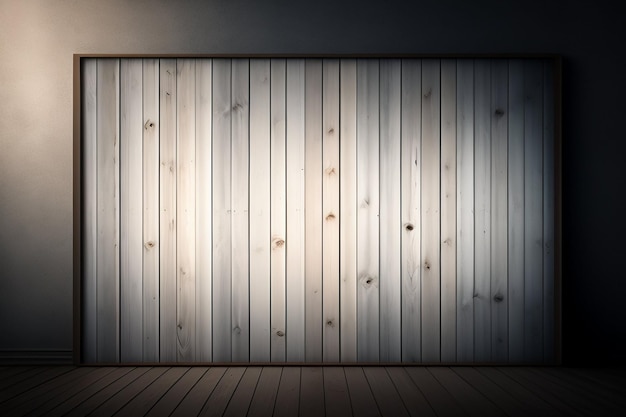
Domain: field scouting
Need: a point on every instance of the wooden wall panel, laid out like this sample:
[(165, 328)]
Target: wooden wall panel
[(320, 210)]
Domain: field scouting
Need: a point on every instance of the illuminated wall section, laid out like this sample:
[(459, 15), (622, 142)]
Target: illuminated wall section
[(336, 210)]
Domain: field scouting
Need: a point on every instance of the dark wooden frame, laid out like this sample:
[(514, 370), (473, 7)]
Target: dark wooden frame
[(77, 186)]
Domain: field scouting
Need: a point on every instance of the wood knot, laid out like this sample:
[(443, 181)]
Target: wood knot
[(498, 298), (448, 242), (278, 243), (330, 171), (237, 330), (330, 323), (330, 217), (149, 124), (280, 333), (149, 245), (331, 130), (427, 265), (499, 112), (409, 227), (365, 202), (237, 107), (180, 326), (428, 93)]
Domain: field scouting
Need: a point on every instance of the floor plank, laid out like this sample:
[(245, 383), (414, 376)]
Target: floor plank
[(198, 395), (336, 393), (9, 371), (413, 398), (472, 401), (170, 400), (221, 395), (438, 397), (361, 397), (385, 394), (240, 402), (264, 398), (288, 396), (19, 377), (144, 401), (33, 381), (311, 392)]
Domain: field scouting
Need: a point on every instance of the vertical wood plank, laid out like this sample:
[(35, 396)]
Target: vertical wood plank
[(239, 172), (260, 210), (131, 219), (390, 226), (186, 210), (222, 210), (533, 211), (89, 132), (347, 214), (368, 212), (295, 211), (411, 199), (549, 317), (516, 187), (167, 204), (151, 210), (330, 209), (448, 210), (465, 211), (499, 211), (430, 216), (108, 198), (204, 227), (278, 208), (313, 213), (482, 213)]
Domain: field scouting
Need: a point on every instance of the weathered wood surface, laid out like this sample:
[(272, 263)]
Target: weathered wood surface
[(318, 210)]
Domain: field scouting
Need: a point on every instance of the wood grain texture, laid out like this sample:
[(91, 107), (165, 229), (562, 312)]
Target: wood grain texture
[(313, 213), (430, 211), (390, 223), (295, 290), (347, 211), (131, 204), (150, 241), (260, 210), (278, 209), (108, 209), (167, 209), (465, 211), (89, 119), (240, 147), (330, 209), (368, 210), (222, 211), (411, 163)]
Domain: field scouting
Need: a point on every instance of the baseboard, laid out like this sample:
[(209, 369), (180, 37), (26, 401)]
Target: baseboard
[(36, 357)]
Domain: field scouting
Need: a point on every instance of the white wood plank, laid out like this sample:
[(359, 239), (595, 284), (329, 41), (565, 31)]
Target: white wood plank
[(482, 207), (549, 316), (533, 211), (465, 211), (390, 223), (278, 208), (239, 173), (368, 211), (295, 211), (131, 219), (167, 204), (448, 210), (150, 210), (430, 215), (260, 210), (222, 214), (108, 195), (204, 229), (499, 211), (515, 187), (330, 209), (411, 199), (347, 213), (89, 125), (313, 213), (186, 210)]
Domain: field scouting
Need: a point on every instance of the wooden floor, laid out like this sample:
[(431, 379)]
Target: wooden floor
[(311, 391)]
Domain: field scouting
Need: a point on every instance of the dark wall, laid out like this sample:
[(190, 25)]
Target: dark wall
[(38, 38)]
